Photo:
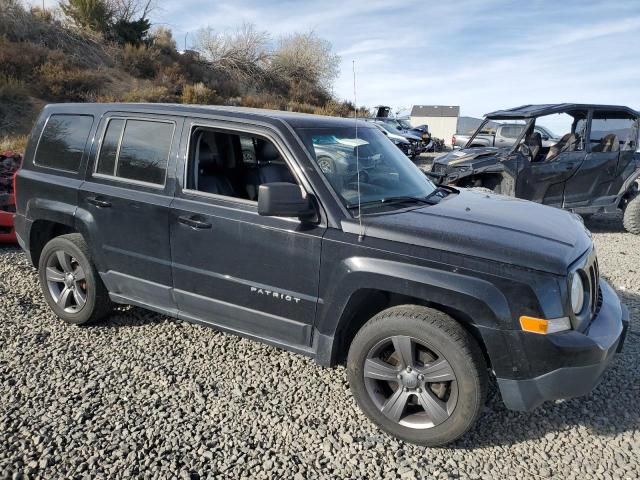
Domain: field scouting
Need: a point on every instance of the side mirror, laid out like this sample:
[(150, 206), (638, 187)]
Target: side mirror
[(545, 137), (281, 199)]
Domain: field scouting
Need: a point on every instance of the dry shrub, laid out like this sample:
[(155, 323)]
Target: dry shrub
[(16, 143), (14, 104), (340, 109), (271, 102), (80, 47), (62, 83), (21, 59), (300, 107), (172, 77), (152, 94), (139, 61), (199, 93), (12, 89)]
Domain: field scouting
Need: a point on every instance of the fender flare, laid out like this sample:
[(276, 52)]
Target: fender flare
[(476, 298), (50, 210), (627, 184)]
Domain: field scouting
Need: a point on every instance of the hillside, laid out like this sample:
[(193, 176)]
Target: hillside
[(46, 56)]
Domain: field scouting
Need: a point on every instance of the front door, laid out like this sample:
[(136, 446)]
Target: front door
[(126, 202), (544, 181), (233, 268)]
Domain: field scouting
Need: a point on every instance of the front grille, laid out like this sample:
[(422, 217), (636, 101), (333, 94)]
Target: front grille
[(587, 268), (594, 289)]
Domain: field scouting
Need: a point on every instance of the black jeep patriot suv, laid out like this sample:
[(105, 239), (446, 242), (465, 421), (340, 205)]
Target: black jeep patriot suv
[(222, 216)]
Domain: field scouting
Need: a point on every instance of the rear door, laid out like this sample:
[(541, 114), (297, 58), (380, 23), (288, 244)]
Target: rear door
[(125, 204), (232, 267), (594, 183)]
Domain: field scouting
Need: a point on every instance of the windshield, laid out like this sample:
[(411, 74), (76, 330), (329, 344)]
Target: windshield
[(385, 172), (508, 129), (405, 124)]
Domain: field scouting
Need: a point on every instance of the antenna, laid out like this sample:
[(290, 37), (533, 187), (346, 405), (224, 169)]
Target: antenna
[(355, 117)]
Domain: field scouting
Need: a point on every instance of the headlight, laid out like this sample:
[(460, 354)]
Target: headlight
[(577, 293)]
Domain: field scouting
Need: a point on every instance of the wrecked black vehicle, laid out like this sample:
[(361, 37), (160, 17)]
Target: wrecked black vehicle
[(593, 167)]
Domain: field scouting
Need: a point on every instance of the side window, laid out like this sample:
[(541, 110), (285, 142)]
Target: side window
[(511, 131), (233, 164), (565, 131), (63, 141), (136, 150), (613, 133), (109, 148)]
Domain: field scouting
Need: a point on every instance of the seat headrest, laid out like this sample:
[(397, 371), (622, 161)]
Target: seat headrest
[(610, 143), (266, 151), (534, 139), (205, 154)]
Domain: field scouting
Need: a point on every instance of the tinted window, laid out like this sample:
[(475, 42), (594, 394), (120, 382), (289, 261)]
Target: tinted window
[(144, 151), (109, 148), (63, 140)]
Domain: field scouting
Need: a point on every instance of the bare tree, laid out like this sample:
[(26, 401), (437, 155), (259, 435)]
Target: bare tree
[(305, 57), (130, 10), (242, 54)]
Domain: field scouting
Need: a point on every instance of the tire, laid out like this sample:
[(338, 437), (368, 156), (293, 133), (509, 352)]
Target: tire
[(631, 218), (81, 298), (453, 356), (327, 165)]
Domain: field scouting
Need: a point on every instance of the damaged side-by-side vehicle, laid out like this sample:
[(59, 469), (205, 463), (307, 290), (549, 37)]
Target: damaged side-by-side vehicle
[(592, 166)]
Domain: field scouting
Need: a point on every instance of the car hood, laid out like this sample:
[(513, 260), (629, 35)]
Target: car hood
[(494, 227), (472, 156), (411, 136)]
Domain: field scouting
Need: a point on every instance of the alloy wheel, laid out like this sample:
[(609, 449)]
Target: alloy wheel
[(410, 382), (66, 281)]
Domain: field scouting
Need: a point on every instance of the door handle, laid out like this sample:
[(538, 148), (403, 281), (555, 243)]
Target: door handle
[(98, 203), (194, 222), (569, 166)]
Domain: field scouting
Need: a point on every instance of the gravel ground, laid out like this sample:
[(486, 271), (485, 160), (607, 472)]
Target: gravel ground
[(146, 396)]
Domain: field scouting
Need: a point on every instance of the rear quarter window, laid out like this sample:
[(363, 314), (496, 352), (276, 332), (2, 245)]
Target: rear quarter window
[(63, 141)]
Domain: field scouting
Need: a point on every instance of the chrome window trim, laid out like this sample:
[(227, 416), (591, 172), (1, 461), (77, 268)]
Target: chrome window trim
[(114, 177), (46, 122), (102, 176)]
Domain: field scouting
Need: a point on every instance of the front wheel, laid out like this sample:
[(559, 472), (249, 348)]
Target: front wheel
[(418, 375), (70, 282), (631, 218)]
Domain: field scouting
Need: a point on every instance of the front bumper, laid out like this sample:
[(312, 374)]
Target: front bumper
[(587, 354)]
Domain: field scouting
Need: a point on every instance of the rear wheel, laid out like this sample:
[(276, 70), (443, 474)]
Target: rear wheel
[(69, 281), (418, 375), (631, 218)]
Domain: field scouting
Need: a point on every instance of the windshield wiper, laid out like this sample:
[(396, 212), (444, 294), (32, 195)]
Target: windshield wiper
[(396, 199)]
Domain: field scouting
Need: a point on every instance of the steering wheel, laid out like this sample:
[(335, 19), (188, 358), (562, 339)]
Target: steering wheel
[(525, 150)]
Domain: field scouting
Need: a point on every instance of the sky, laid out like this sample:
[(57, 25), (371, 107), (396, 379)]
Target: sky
[(481, 55)]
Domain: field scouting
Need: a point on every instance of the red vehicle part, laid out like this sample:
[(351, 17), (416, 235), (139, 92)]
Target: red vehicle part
[(7, 233), (9, 164)]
